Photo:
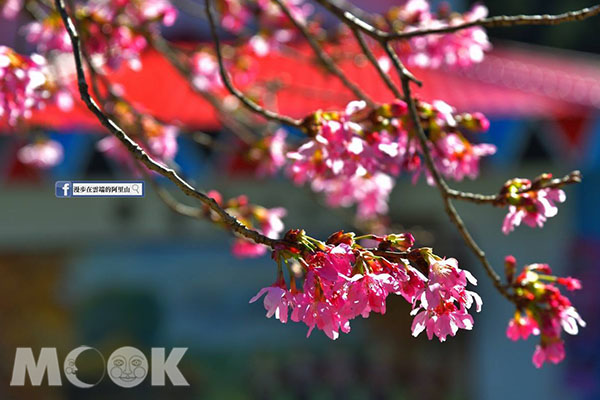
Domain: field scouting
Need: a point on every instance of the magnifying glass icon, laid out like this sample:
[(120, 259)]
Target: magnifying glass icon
[(135, 188)]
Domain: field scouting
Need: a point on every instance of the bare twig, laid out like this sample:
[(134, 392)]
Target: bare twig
[(237, 127), (505, 21), (325, 59), (371, 57), (444, 189), (232, 223), (492, 22), (500, 200), (250, 104), (398, 64)]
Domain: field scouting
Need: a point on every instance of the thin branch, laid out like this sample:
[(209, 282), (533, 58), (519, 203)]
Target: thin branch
[(268, 114), (163, 47), (353, 21), (503, 21), (492, 22), (325, 59), (500, 200), (371, 57), (444, 189), (137, 151), (398, 64)]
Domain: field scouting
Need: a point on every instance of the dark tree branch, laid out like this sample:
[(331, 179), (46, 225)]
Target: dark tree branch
[(232, 223), (250, 104), (500, 200), (443, 187), (371, 57), (325, 59), (493, 22), (503, 21), (237, 127)]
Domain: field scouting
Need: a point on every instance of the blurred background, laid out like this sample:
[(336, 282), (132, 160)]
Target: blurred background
[(128, 272)]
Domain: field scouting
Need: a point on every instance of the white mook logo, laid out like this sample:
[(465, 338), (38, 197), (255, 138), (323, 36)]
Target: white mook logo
[(127, 367), (70, 367)]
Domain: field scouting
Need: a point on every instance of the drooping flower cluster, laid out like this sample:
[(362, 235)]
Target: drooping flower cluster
[(157, 139), (23, 84), (264, 220), (342, 280), (461, 48), (530, 202), (542, 309), (352, 156)]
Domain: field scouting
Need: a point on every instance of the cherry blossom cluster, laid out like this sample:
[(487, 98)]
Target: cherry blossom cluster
[(459, 49), (113, 31), (205, 71), (265, 220), (42, 153), (24, 84), (542, 309), (274, 26), (205, 74), (157, 139), (266, 156), (353, 156), (341, 280), (530, 202)]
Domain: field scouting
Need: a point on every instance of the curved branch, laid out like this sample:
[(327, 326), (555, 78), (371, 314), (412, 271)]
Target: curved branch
[(325, 59), (491, 22), (500, 200), (232, 223), (371, 57), (503, 21), (163, 47), (444, 189), (250, 104)]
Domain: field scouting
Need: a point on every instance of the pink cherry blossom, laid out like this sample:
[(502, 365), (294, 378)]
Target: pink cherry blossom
[(533, 208), (456, 49), (354, 162), (445, 301), (521, 326), (553, 352), (49, 34), (570, 283), (11, 8), (546, 312), (23, 82), (276, 301), (42, 154), (205, 72), (268, 154)]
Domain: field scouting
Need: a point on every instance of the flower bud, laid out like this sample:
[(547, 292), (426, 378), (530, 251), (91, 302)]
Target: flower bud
[(340, 237), (510, 266)]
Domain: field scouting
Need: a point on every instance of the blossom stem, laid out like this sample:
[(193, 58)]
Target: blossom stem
[(441, 183)]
